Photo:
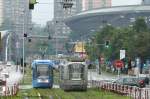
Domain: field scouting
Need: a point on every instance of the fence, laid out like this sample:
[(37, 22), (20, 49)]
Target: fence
[(131, 91), (10, 90)]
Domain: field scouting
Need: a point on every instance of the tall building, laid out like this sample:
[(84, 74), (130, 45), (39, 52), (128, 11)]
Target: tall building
[(18, 20), (93, 4), (146, 2), (60, 14), (1, 11), (17, 16)]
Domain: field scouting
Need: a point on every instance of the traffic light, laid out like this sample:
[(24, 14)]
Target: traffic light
[(31, 4), (107, 43), (25, 34), (29, 40), (49, 37), (67, 4)]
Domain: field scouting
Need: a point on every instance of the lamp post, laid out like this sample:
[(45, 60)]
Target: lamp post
[(6, 50), (23, 48)]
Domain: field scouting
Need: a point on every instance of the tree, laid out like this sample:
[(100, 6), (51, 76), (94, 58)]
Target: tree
[(135, 40), (140, 25)]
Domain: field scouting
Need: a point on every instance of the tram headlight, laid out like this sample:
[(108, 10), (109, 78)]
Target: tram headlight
[(39, 80), (46, 81), (42, 81)]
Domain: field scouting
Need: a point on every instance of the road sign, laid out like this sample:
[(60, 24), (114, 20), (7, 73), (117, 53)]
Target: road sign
[(122, 54), (118, 63)]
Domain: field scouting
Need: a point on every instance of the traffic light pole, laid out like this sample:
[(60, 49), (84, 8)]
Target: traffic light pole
[(23, 59), (23, 48)]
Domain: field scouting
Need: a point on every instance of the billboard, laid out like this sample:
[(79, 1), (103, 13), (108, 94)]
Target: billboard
[(79, 47)]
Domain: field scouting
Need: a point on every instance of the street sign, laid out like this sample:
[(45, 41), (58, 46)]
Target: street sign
[(122, 54), (118, 63)]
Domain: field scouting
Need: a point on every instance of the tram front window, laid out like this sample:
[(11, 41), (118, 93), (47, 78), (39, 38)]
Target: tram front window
[(42, 71), (76, 71)]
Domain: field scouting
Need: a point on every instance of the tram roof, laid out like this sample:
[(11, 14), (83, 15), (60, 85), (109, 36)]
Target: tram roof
[(69, 63), (43, 62)]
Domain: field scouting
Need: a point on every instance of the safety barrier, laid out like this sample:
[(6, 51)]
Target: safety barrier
[(10, 90), (131, 91)]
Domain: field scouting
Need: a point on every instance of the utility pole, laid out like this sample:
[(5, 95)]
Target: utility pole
[(6, 50)]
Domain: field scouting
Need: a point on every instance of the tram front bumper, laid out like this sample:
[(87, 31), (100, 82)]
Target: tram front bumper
[(74, 85)]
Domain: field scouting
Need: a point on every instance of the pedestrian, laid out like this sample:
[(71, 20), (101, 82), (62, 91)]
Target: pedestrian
[(141, 66), (129, 67)]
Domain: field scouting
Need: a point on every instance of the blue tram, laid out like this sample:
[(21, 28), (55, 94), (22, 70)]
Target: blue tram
[(42, 74)]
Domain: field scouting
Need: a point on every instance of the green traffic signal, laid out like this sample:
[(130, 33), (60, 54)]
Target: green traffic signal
[(107, 44)]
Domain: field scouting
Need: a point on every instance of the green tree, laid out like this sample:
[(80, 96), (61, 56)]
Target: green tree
[(135, 40), (140, 25)]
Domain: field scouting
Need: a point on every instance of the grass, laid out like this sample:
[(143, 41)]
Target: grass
[(60, 94), (27, 78)]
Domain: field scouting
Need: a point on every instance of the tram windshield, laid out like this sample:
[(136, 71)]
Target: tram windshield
[(42, 71), (76, 71)]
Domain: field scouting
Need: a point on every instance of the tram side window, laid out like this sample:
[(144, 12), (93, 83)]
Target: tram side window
[(62, 72), (76, 71)]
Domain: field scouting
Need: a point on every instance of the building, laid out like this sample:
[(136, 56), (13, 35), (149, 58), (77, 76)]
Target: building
[(93, 4), (145, 2), (17, 16), (17, 19), (1, 11), (60, 14), (94, 20)]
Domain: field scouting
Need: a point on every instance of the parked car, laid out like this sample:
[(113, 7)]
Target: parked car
[(131, 81), (144, 78)]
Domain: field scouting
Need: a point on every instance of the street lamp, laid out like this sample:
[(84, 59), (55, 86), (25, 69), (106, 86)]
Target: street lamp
[(6, 50)]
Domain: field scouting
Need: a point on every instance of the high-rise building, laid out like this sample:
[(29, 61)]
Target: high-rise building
[(146, 2), (60, 14), (17, 16), (93, 4), (1, 11), (18, 20)]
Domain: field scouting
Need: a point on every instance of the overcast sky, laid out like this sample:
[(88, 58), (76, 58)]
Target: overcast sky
[(44, 10)]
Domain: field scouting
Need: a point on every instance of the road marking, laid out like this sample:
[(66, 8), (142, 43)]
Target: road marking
[(39, 95)]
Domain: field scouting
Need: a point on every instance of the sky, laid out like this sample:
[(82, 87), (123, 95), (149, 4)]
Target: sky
[(43, 11)]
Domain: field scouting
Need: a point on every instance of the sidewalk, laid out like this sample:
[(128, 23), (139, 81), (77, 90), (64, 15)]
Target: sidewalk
[(14, 75)]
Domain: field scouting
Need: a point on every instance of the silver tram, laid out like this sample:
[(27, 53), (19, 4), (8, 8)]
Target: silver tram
[(73, 76)]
